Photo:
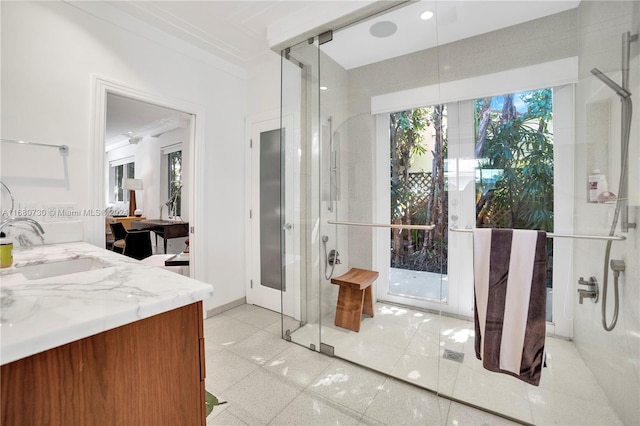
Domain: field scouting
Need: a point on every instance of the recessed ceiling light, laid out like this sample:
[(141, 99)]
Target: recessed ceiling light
[(323, 87), (426, 15), (383, 29)]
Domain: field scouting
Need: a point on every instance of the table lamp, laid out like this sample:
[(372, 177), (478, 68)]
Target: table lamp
[(132, 185)]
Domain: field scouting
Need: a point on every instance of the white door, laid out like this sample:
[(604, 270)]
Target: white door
[(270, 284)]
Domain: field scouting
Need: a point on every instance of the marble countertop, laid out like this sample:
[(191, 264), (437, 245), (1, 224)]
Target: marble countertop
[(41, 314)]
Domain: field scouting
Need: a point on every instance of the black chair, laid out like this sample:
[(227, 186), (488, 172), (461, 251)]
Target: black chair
[(119, 234), (138, 244)]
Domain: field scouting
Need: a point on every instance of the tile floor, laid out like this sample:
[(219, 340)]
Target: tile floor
[(409, 344), (266, 380)]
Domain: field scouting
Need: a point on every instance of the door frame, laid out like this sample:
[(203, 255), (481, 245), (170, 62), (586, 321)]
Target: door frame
[(287, 302), (94, 227)]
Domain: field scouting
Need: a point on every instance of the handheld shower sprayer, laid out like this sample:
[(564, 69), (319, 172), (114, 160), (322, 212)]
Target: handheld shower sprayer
[(331, 258), (622, 209)]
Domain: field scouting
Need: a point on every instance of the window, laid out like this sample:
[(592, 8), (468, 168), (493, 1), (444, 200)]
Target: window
[(514, 148), (536, 202), (175, 182), (418, 189), (515, 168), (119, 170)]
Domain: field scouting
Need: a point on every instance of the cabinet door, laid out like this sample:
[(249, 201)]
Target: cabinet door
[(145, 373)]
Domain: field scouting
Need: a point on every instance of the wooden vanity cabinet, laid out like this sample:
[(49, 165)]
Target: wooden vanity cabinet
[(149, 372)]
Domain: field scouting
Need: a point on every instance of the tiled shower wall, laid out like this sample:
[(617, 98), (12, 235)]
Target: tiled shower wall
[(613, 357)]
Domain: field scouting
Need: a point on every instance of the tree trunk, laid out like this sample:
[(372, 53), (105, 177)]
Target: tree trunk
[(509, 114), (439, 198), (508, 109), (483, 124), (396, 181)]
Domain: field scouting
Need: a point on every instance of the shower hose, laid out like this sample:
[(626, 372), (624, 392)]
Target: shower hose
[(626, 129)]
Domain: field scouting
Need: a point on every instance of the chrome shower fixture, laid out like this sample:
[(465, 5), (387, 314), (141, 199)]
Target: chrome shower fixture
[(334, 258), (330, 258), (622, 207), (591, 292), (617, 266), (620, 91)]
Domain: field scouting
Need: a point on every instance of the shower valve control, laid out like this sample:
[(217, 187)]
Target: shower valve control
[(334, 258), (591, 292)]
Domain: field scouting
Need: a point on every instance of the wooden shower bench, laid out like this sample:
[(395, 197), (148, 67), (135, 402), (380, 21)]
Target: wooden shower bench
[(354, 297)]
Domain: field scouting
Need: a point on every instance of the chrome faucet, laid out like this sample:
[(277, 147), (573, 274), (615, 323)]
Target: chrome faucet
[(34, 225), (591, 292)]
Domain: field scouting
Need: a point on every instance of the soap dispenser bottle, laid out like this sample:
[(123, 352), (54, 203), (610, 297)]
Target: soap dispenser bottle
[(597, 185), (6, 251)]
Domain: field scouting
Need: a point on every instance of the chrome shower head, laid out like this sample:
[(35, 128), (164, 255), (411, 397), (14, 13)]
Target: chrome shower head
[(620, 91)]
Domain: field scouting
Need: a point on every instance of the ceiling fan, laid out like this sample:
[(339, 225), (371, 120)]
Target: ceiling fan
[(133, 140)]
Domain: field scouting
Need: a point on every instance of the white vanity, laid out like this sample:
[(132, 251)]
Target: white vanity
[(88, 336)]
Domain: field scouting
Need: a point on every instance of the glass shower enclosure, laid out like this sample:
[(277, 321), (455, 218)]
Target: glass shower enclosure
[(381, 170)]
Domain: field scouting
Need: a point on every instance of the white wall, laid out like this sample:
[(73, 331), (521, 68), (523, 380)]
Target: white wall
[(51, 50), (263, 89)]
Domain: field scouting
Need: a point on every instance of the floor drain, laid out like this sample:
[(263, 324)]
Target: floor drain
[(453, 355)]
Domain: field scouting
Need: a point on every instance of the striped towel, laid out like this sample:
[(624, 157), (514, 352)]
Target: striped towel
[(510, 301)]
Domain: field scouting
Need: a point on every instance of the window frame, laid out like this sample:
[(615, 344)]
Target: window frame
[(561, 75), (126, 167)]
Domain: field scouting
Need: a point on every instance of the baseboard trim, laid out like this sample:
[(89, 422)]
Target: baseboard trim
[(220, 309)]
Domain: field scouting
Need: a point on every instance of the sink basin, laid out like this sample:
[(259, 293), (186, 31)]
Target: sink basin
[(61, 267)]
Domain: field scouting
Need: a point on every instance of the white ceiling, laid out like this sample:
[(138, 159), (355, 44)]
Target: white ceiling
[(232, 30), (452, 21), (237, 31), (130, 119)]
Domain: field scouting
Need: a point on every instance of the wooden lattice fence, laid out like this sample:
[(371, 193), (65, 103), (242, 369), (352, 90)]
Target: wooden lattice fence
[(419, 184), (411, 254)]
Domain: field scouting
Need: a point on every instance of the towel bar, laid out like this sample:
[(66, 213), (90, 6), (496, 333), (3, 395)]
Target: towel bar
[(554, 235), (64, 149), (382, 225)]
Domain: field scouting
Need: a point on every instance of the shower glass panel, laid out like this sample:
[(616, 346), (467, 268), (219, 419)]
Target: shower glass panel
[(579, 138), (300, 168), (338, 102), (355, 217)]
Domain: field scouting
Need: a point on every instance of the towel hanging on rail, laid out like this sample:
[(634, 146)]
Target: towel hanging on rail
[(510, 301)]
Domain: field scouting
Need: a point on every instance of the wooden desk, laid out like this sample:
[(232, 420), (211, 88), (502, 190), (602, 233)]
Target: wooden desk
[(167, 228), (181, 259)]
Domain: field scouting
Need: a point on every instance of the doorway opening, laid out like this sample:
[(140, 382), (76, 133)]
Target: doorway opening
[(140, 134), (418, 139)]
